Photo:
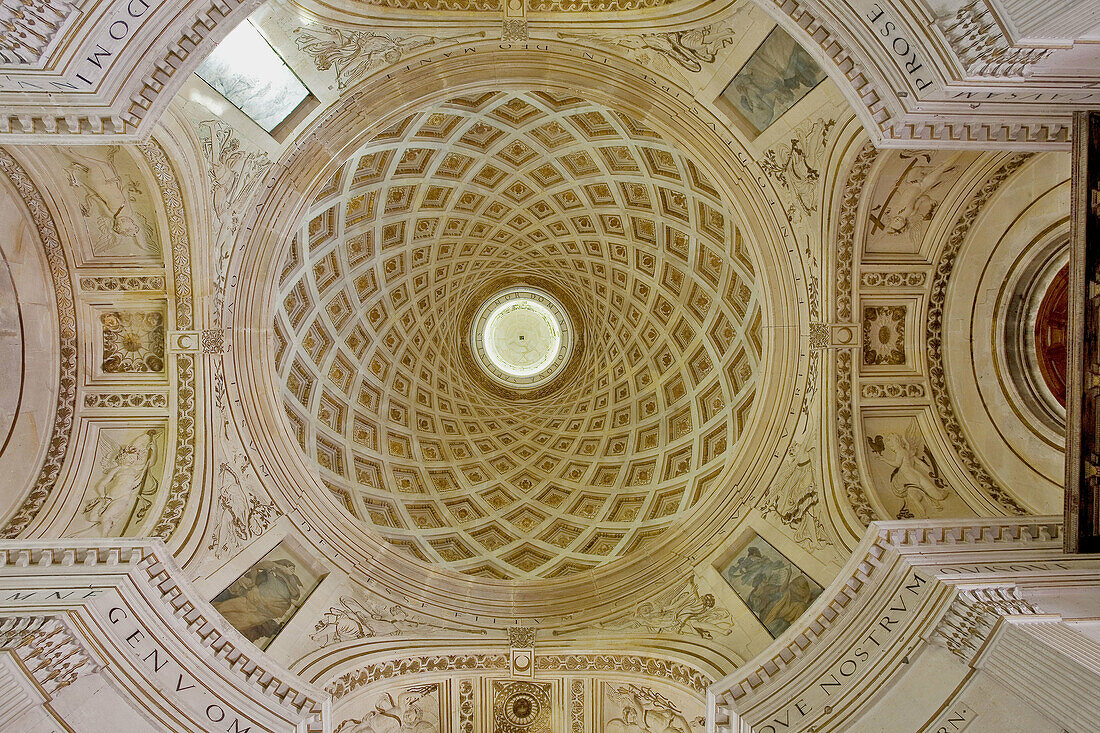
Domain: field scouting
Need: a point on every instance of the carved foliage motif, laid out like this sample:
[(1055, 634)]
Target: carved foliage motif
[(884, 335), (183, 469), (675, 672), (115, 400), (112, 284), (937, 377), (845, 254), (576, 706), (235, 175), (66, 310), (465, 707)]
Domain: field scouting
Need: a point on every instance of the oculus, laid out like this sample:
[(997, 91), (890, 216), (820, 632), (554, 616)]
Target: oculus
[(522, 337)]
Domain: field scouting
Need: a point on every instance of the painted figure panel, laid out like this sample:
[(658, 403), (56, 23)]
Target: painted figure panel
[(264, 599), (777, 75), (774, 589)]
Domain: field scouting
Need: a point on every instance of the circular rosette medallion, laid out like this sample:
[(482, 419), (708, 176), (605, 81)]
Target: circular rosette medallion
[(521, 706)]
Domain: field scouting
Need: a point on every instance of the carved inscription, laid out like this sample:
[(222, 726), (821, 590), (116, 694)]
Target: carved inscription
[(900, 47), (841, 677), (105, 44)]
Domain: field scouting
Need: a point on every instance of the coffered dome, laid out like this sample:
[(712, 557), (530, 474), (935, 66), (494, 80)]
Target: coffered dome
[(379, 306)]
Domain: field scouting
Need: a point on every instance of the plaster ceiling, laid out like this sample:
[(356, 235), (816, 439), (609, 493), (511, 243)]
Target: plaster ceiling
[(443, 210)]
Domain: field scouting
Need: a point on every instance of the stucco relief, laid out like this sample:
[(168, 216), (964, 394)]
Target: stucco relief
[(884, 335), (235, 173), (633, 708), (115, 204), (907, 193), (125, 482), (691, 50), (682, 611), (901, 462), (794, 496), (796, 165), (356, 617), (414, 709), (353, 54), (133, 341)]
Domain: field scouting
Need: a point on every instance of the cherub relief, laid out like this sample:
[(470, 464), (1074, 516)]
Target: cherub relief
[(113, 202), (410, 712), (641, 710), (125, 489), (914, 197), (914, 477), (689, 613)]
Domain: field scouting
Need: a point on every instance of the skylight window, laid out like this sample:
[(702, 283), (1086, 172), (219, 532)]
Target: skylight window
[(247, 71)]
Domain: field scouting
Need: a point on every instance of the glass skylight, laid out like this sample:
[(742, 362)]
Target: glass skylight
[(247, 71)]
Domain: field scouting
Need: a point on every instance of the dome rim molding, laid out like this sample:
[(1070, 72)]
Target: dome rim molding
[(334, 137)]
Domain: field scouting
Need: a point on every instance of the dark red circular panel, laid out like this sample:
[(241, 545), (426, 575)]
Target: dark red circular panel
[(1050, 334)]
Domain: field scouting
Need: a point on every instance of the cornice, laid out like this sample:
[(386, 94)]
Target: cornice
[(146, 568), (925, 545)]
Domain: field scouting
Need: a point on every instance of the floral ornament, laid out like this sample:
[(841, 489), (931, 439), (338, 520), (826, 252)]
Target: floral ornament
[(884, 335), (133, 342)]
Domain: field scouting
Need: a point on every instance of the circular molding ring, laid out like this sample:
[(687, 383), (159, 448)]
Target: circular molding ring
[(251, 375)]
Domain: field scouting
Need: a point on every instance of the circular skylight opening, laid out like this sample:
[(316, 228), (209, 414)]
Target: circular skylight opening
[(522, 337)]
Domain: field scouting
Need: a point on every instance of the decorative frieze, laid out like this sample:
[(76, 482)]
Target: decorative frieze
[(48, 649), (28, 28), (973, 614), (980, 43)]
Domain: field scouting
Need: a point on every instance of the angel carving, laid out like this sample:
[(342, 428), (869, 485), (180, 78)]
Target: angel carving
[(354, 53), (110, 198), (915, 477), (125, 490), (688, 613), (642, 710), (412, 711)]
